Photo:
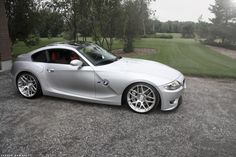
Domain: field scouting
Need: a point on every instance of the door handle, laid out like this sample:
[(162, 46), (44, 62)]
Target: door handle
[(50, 70)]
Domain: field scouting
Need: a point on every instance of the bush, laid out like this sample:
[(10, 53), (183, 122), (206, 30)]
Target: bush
[(32, 40), (188, 36), (66, 35), (165, 36), (226, 45)]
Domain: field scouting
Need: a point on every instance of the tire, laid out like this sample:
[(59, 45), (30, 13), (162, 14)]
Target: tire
[(28, 85), (141, 97)]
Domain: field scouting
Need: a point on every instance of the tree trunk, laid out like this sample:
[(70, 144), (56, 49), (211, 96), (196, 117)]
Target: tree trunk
[(74, 22), (128, 45), (74, 30), (144, 28), (5, 42)]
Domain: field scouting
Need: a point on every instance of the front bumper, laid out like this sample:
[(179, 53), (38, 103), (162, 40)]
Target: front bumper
[(171, 99)]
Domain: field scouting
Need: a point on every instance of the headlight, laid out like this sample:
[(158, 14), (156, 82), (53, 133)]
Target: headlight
[(173, 85)]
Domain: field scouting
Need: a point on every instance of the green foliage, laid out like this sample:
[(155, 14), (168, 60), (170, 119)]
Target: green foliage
[(73, 12), (21, 18), (107, 17), (32, 40), (131, 24), (135, 14), (188, 30), (202, 29), (51, 23), (219, 44), (166, 27), (66, 36), (222, 25), (104, 20)]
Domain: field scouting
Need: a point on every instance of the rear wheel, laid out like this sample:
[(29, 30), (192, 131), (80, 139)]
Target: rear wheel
[(28, 85), (142, 97)]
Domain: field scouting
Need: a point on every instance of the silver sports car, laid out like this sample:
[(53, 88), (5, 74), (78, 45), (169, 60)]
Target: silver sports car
[(87, 72)]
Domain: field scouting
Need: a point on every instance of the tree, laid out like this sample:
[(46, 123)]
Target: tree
[(5, 42), (51, 23), (106, 18), (135, 12), (72, 11), (202, 29), (225, 16), (188, 30), (132, 22), (21, 18)]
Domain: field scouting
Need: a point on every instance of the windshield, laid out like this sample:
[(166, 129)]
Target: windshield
[(97, 55)]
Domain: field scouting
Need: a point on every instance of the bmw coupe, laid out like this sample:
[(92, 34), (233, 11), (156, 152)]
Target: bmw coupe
[(87, 72)]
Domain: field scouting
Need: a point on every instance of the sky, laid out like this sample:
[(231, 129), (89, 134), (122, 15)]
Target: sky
[(182, 10)]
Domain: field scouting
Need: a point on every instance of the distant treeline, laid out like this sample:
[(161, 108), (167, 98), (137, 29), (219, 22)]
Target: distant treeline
[(166, 27), (186, 28), (105, 20)]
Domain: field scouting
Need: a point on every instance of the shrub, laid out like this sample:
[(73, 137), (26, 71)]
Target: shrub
[(165, 36), (66, 36), (32, 40), (226, 45)]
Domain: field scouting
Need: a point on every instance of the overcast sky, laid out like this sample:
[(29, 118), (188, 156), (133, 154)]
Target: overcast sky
[(182, 10)]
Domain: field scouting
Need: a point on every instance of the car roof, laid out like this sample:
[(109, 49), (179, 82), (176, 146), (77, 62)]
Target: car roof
[(65, 45), (69, 44)]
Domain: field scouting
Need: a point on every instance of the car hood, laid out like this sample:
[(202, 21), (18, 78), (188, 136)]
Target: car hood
[(143, 67)]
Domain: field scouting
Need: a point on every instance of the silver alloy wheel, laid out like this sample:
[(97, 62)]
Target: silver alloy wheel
[(141, 98), (27, 85)]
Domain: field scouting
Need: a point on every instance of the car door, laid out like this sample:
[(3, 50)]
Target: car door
[(66, 79)]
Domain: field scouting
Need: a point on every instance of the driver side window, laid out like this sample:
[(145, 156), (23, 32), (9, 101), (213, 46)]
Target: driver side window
[(62, 56)]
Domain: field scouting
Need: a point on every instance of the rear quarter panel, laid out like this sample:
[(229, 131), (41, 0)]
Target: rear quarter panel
[(27, 66)]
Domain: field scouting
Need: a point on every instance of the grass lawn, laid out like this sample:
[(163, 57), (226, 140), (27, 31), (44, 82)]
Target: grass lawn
[(190, 57), (186, 55)]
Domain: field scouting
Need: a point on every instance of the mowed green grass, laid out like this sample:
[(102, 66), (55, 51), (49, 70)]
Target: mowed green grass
[(187, 55), (190, 57)]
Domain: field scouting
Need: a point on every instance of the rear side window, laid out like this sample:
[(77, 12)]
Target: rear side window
[(39, 57), (62, 56)]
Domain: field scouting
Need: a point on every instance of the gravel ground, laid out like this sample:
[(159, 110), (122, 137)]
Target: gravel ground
[(204, 125)]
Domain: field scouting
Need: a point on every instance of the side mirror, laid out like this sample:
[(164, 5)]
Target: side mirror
[(76, 62)]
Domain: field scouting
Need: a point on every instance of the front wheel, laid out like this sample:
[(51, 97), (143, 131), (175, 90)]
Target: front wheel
[(142, 97), (28, 85)]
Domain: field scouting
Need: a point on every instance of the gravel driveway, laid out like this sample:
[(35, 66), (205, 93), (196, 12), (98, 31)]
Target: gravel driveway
[(204, 125)]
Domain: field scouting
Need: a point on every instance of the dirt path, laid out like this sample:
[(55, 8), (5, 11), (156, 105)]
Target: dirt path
[(224, 51)]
